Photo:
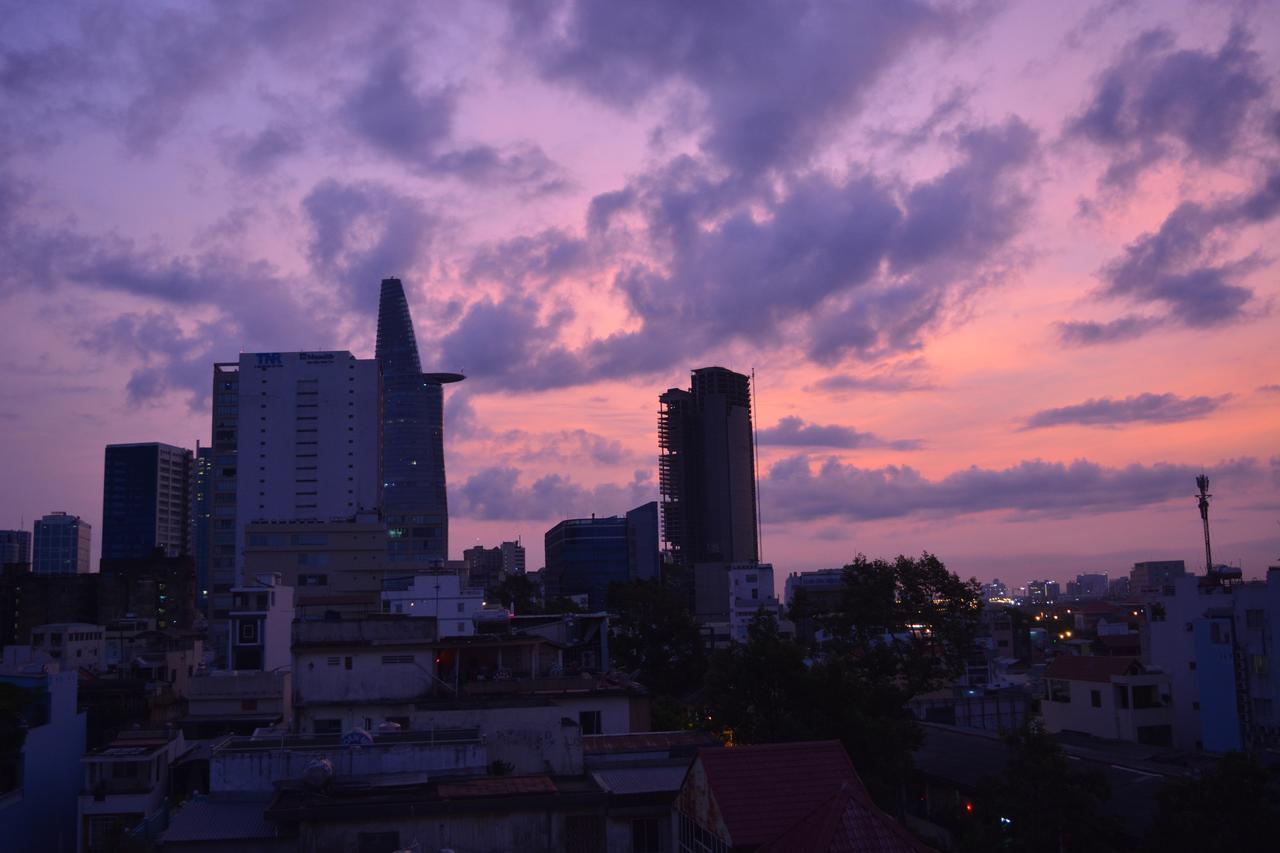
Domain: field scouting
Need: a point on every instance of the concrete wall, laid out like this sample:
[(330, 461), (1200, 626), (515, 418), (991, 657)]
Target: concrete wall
[(501, 831), (233, 770), (42, 815)]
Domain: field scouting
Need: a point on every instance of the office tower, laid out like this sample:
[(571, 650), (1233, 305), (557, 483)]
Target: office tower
[(146, 501), (586, 555), (484, 567), (414, 502), (15, 547), (706, 470), (61, 545), (1155, 576), (202, 519), (512, 558), (223, 477), (309, 444)]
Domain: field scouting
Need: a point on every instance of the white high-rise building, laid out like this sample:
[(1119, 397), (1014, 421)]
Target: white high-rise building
[(309, 438)]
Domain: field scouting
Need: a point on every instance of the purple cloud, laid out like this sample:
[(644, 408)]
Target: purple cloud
[(1081, 333), (497, 494), (1033, 488), (771, 78), (792, 431), (1155, 100), (1142, 408)]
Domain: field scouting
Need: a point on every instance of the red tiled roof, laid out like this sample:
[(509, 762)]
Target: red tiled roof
[(848, 822), (502, 786), (761, 791), (1091, 667)]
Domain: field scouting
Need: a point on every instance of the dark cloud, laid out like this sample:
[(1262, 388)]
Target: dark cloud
[(138, 70), (846, 266), (497, 494), (1179, 265), (1156, 100), (1035, 488), (364, 232), (259, 154), (1181, 268), (771, 78), (1082, 333), (391, 112), (1142, 408), (170, 360), (792, 431), (535, 261), (1269, 389), (413, 124)]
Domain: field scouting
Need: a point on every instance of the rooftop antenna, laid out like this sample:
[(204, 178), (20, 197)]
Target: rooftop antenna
[(1202, 482)]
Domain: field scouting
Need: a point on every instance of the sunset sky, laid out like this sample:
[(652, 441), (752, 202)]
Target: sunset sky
[(1006, 272)]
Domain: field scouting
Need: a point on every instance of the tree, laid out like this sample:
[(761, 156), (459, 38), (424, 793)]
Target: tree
[(911, 620), (656, 638), (518, 593), (1041, 803), (758, 691), (1233, 806)]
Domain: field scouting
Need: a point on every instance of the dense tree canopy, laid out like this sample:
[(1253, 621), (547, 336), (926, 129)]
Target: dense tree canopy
[(1234, 806)]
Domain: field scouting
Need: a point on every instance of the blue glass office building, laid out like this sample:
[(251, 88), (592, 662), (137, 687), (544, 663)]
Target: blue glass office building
[(414, 501)]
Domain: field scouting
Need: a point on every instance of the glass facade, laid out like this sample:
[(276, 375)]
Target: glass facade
[(61, 545), (414, 501)]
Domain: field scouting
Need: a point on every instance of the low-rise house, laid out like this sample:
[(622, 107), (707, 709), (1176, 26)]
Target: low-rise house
[(126, 789), (221, 703), (1108, 697), (73, 644), (439, 595), (361, 673)]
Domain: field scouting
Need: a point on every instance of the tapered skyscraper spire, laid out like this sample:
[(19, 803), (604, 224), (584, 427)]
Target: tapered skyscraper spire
[(414, 501)]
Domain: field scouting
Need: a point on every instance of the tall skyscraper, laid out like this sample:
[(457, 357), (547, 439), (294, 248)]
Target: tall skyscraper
[(146, 501), (512, 558), (309, 443), (61, 545), (15, 547), (202, 519), (223, 476), (414, 500), (706, 470)]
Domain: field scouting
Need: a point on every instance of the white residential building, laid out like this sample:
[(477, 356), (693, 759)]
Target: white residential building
[(439, 595), (1108, 697), (750, 591), (309, 443), (261, 618)]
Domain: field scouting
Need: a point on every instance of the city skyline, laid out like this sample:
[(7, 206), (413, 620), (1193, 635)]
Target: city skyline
[(1001, 304)]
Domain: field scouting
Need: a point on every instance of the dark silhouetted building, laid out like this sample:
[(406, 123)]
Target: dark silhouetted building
[(157, 587), (61, 545), (15, 547), (706, 470), (223, 476), (202, 519), (585, 555), (1155, 576), (414, 501), (512, 558), (484, 567), (146, 501)]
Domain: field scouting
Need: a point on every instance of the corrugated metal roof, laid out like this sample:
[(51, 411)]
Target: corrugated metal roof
[(501, 786), (641, 780)]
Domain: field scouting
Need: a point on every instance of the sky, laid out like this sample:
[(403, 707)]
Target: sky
[(1006, 272)]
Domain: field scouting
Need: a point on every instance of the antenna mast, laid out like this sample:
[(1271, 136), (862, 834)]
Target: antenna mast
[(1203, 483)]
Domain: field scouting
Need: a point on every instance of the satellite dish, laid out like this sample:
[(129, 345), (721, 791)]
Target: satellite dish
[(357, 737)]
